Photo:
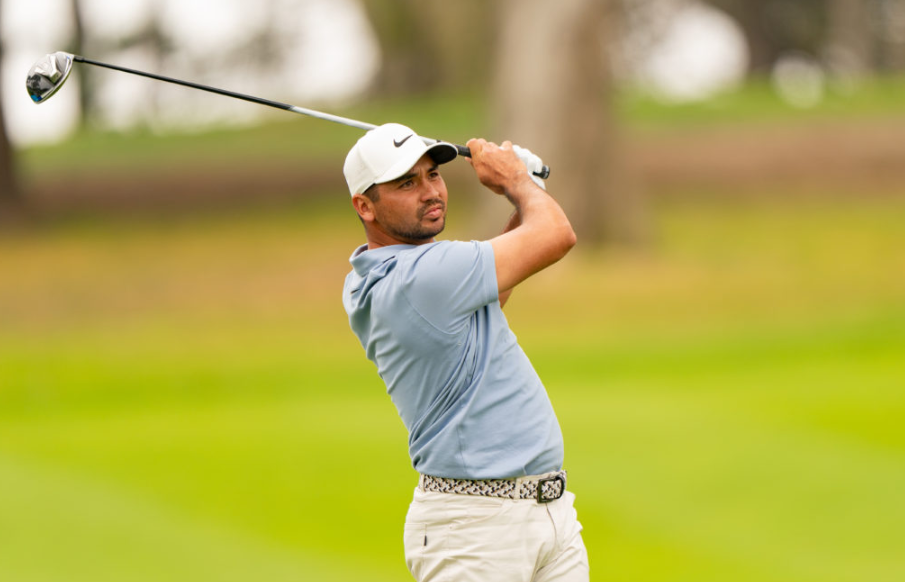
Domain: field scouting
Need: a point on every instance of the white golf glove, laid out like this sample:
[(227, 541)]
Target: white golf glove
[(532, 162)]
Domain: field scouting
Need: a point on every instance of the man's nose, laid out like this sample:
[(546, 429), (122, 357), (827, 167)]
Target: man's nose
[(429, 190)]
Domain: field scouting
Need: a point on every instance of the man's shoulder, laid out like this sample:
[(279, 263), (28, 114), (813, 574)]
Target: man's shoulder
[(446, 249), (430, 264), (443, 281), (450, 268)]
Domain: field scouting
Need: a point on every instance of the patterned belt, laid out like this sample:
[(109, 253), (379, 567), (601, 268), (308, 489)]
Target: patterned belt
[(544, 489)]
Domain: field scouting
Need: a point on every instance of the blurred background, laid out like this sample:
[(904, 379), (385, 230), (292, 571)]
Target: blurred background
[(181, 397)]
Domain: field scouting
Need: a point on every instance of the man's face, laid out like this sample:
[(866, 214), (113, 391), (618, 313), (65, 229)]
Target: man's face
[(411, 209)]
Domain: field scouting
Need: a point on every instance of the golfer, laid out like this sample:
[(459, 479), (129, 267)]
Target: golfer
[(492, 502)]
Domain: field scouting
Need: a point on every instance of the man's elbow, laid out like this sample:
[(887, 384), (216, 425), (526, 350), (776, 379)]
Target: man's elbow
[(571, 239), (567, 239)]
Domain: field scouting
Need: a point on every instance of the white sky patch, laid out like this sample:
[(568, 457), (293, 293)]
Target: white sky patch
[(325, 49), (34, 23), (115, 19), (702, 52), (330, 53), (207, 26)]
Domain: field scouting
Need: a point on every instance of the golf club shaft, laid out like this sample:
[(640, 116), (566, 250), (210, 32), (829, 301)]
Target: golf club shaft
[(244, 97), (463, 150)]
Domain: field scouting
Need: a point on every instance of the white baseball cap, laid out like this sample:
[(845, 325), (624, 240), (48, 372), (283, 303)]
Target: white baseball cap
[(388, 152)]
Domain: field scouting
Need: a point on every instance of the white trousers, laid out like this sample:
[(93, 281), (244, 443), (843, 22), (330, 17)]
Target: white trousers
[(462, 538)]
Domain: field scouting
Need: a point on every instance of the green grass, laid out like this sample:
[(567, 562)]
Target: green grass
[(183, 400)]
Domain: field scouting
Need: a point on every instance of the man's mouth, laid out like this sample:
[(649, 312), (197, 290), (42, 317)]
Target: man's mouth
[(433, 212)]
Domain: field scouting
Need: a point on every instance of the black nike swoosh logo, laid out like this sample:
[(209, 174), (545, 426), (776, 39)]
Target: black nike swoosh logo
[(398, 144)]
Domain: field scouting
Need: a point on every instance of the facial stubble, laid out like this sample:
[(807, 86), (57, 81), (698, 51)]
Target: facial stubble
[(419, 232)]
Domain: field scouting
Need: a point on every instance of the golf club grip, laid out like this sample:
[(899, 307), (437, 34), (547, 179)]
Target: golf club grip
[(543, 174)]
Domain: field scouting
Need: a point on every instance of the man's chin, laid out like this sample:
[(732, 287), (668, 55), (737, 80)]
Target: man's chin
[(431, 228), (423, 232), (423, 236), (438, 228)]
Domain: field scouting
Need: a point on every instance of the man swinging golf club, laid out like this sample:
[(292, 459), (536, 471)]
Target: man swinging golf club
[(491, 503)]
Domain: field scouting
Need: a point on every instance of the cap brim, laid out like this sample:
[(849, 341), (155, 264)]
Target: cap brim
[(440, 152)]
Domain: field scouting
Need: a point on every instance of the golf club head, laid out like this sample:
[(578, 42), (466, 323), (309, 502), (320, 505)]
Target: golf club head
[(47, 76)]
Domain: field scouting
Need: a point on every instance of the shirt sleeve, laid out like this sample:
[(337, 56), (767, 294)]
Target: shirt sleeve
[(451, 280)]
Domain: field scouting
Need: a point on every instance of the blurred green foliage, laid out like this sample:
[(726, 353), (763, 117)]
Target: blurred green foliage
[(757, 102), (452, 117)]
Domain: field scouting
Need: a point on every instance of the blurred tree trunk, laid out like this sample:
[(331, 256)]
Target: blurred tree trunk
[(554, 95), (154, 39), (10, 195), (10, 199), (464, 42), (850, 36), (750, 16), (774, 27), (891, 22), (431, 45), (893, 55), (77, 46)]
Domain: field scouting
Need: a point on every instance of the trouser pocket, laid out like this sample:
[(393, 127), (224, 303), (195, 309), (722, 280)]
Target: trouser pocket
[(414, 540)]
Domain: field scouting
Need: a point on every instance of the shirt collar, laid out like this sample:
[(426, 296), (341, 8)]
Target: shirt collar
[(364, 260)]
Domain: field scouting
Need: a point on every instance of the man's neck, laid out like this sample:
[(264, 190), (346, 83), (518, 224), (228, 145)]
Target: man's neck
[(380, 239)]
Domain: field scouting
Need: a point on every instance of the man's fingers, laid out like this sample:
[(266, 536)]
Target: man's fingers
[(497, 166), (476, 146)]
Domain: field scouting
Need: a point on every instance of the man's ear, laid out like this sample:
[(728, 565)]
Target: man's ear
[(364, 206)]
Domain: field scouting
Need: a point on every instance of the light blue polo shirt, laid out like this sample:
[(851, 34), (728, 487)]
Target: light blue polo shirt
[(429, 317)]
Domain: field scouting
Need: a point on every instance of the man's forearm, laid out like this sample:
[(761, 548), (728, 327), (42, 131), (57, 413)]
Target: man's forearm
[(541, 221)]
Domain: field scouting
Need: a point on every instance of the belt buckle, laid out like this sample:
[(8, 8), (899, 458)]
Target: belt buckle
[(540, 488)]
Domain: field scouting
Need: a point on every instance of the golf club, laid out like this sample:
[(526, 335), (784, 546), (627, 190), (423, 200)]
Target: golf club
[(47, 75)]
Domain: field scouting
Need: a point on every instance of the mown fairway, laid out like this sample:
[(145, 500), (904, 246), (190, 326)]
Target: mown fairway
[(183, 400)]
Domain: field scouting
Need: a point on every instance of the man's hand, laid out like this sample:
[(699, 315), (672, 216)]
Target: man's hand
[(499, 168), (532, 162)]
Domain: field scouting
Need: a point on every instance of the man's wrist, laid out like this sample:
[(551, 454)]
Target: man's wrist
[(522, 185)]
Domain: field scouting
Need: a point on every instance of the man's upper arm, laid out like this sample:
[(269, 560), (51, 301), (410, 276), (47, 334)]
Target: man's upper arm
[(524, 251)]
